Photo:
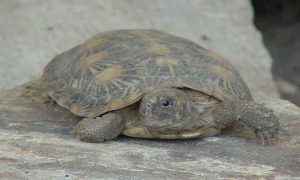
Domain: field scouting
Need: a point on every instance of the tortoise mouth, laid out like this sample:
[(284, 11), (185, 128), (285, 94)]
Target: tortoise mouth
[(166, 126), (155, 124)]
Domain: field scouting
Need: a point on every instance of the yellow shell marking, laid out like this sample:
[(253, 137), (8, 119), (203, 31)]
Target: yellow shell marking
[(93, 59), (113, 72), (76, 108), (75, 83), (221, 72), (158, 49), (162, 62), (212, 55), (145, 38), (115, 104), (96, 41), (135, 94)]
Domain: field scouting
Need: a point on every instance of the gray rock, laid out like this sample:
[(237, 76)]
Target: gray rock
[(36, 143), (35, 133), (32, 32)]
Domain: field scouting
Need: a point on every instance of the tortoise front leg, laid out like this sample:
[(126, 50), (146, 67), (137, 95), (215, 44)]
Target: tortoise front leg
[(257, 117), (99, 129)]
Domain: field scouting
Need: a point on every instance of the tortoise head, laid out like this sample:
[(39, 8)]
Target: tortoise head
[(166, 110)]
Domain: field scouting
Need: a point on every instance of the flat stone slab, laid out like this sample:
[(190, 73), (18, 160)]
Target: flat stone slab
[(36, 144)]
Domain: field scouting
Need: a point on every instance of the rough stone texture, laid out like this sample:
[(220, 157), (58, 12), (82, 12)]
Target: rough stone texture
[(36, 144), (34, 134), (32, 32)]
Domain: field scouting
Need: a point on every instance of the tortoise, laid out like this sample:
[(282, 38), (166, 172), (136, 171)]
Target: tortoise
[(151, 84)]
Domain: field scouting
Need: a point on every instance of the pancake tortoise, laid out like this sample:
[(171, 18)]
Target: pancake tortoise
[(151, 84)]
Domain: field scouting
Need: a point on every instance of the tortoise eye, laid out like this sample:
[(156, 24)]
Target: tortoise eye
[(166, 103)]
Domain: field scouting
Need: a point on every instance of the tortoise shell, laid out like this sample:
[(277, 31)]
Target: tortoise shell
[(114, 69)]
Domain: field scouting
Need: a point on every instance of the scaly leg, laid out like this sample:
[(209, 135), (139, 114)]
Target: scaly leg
[(99, 129), (257, 117)]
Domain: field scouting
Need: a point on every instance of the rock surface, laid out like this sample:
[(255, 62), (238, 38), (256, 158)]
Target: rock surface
[(35, 133), (33, 32), (36, 144)]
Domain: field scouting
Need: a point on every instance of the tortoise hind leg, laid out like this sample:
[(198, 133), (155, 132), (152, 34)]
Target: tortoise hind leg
[(99, 129)]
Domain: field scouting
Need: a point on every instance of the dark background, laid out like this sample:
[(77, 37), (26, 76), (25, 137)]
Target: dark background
[(279, 23)]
